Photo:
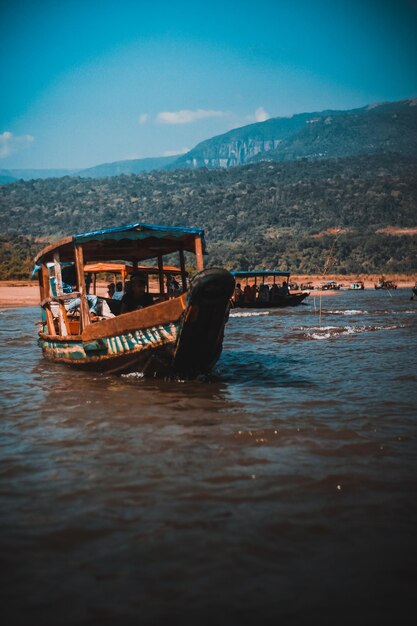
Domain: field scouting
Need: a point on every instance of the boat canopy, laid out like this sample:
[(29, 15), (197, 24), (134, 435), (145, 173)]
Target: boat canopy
[(117, 268), (124, 268), (260, 273), (132, 242)]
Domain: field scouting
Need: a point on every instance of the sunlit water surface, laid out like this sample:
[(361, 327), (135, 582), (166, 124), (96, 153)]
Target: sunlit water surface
[(282, 490)]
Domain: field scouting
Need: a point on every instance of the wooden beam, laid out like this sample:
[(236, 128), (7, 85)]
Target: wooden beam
[(58, 275), (161, 274), (63, 298), (62, 312), (199, 254), (183, 272), (160, 313), (46, 293), (51, 248), (79, 264)]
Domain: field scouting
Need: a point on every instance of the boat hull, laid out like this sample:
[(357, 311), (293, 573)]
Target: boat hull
[(284, 301), (119, 353), (180, 336)]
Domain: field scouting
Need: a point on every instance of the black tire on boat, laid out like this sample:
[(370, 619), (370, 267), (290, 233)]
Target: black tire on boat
[(200, 339)]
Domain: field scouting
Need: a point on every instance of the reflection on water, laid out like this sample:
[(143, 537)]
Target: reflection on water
[(282, 487)]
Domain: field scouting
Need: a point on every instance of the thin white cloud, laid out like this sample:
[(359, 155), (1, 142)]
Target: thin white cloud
[(186, 116), (143, 118), (261, 115), (10, 143)]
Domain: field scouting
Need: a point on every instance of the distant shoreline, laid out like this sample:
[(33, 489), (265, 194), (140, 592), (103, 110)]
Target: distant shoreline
[(20, 293)]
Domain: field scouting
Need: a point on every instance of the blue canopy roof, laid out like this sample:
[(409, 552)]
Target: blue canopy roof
[(136, 231), (261, 273), (130, 242)]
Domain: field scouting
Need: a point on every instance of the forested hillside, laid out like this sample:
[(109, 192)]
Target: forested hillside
[(265, 214), (16, 256)]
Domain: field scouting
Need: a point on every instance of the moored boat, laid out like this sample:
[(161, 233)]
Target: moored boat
[(385, 284), (330, 285), (261, 294), (180, 333)]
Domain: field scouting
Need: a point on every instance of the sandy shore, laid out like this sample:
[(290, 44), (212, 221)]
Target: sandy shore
[(16, 293), (369, 280)]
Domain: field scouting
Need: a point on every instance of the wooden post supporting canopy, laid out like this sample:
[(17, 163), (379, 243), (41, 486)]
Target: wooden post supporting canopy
[(161, 274), (79, 264), (199, 253), (58, 275), (45, 294), (62, 315), (183, 273)]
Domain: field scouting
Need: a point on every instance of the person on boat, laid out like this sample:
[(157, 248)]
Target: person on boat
[(284, 289), (136, 296), (118, 291), (254, 292), (263, 293), (247, 294), (69, 285), (93, 304), (110, 289), (88, 281), (274, 293), (238, 294), (172, 284)]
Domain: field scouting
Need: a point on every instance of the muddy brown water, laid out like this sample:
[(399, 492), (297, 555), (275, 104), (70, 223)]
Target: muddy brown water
[(281, 490)]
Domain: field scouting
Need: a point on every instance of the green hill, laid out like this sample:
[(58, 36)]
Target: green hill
[(131, 166), (262, 214)]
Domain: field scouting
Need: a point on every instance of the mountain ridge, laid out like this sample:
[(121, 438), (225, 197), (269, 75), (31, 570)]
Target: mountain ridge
[(385, 127), (378, 127)]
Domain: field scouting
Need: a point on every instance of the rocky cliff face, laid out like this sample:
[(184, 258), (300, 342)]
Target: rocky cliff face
[(380, 128), (236, 152)]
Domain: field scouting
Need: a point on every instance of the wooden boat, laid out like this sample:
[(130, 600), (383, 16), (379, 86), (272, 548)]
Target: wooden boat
[(263, 296), (330, 285), (385, 284), (182, 334), (307, 286)]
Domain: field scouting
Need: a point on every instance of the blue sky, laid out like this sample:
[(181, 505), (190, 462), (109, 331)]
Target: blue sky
[(91, 82)]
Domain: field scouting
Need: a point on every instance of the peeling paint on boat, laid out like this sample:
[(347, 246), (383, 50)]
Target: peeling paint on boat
[(148, 339)]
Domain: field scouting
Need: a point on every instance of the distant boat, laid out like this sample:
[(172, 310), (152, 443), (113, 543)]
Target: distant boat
[(307, 286), (385, 284), (357, 285), (330, 285), (261, 295), (172, 334)]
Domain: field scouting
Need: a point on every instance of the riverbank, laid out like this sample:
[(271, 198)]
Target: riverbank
[(369, 280), (17, 293)]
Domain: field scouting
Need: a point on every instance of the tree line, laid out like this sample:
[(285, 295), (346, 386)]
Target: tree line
[(258, 215)]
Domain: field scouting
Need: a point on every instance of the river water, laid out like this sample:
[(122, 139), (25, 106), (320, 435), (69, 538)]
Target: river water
[(282, 490)]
